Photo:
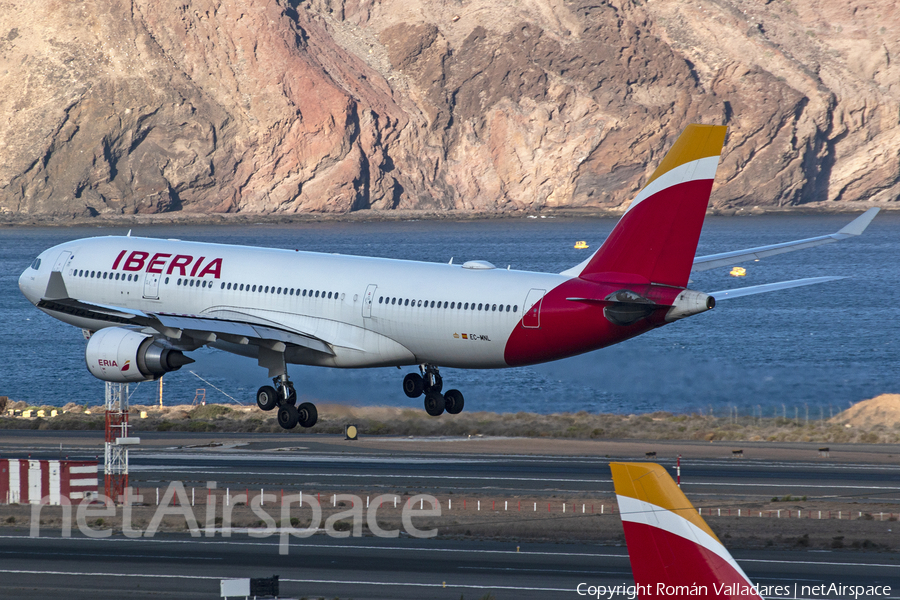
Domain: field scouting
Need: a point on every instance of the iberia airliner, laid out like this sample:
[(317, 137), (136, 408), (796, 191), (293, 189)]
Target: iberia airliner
[(146, 302)]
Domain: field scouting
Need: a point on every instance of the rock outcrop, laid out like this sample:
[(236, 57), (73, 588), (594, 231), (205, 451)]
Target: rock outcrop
[(282, 106)]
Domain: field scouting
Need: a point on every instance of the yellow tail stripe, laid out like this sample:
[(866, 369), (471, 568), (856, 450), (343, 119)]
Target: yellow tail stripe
[(695, 142), (649, 482)]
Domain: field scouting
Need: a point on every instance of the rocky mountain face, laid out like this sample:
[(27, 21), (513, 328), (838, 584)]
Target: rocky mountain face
[(115, 107)]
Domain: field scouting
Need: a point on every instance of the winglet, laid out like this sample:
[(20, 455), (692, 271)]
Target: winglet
[(670, 545), (859, 224)]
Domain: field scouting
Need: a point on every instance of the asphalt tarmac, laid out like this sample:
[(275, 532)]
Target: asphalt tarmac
[(480, 467), (178, 566)]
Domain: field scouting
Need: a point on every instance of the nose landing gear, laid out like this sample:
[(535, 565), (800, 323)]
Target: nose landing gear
[(431, 384), (284, 397)]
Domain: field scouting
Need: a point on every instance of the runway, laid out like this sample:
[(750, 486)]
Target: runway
[(178, 566), (395, 465), (175, 565)]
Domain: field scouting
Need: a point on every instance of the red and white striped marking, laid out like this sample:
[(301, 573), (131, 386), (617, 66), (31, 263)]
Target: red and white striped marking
[(28, 481)]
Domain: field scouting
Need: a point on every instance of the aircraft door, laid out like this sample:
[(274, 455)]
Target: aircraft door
[(151, 286), (62, 260), (531, 319), (368, 300)]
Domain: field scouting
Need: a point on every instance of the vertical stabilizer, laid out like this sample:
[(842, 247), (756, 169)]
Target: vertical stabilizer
[(657, 236), (673, 551)]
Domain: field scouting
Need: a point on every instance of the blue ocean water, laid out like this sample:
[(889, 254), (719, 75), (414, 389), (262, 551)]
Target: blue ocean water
[(814, 349)]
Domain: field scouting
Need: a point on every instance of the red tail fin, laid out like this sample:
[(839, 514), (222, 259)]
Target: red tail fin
[(673, 551), (657, 236)]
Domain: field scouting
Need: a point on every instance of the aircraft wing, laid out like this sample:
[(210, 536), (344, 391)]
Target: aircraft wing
[(852, 229), (187, 330)]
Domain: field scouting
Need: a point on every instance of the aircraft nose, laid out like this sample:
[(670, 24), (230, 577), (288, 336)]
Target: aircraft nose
[(28, 285)]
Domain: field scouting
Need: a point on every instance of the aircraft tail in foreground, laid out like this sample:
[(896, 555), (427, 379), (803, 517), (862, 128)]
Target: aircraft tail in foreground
[(673, 551)]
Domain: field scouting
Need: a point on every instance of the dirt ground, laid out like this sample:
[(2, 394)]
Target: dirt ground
[(798, 524)]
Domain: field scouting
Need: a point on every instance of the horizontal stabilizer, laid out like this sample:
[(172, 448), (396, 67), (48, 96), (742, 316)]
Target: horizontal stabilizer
[(770, 287), (852, 229)]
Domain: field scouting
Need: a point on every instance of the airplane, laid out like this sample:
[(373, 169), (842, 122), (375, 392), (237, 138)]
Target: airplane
[(672, 550), (143, 303)]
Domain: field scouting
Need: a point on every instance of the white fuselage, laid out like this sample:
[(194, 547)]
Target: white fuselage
[(370, 311)]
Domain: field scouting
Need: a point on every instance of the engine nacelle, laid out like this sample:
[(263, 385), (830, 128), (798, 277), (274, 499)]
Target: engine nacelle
[(123, 356), (689, 303)]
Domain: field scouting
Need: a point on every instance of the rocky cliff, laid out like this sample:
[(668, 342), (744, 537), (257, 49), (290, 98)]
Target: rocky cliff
[(112, 107)]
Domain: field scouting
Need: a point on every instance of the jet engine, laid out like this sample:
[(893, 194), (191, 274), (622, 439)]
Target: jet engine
[(123, 356)]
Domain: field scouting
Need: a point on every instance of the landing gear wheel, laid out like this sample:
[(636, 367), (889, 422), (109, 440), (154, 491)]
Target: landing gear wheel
[(308, 414), (288, 416), (434, 404), (413, 385), (437, 387), (266, 397), (453, 402)]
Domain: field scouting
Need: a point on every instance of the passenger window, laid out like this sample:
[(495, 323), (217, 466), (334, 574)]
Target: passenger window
[(317, 294), (167, 281), (515, 307), (380, 299), (393, 300), (329, 295), (494, 307)]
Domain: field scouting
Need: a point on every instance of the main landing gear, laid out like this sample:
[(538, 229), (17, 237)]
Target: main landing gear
[(430, 384), (284, 397)]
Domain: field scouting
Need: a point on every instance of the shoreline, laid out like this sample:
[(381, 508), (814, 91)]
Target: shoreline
[(369, 215), (385, 421)]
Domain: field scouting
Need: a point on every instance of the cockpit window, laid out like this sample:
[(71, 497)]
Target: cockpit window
[(36, 265)]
